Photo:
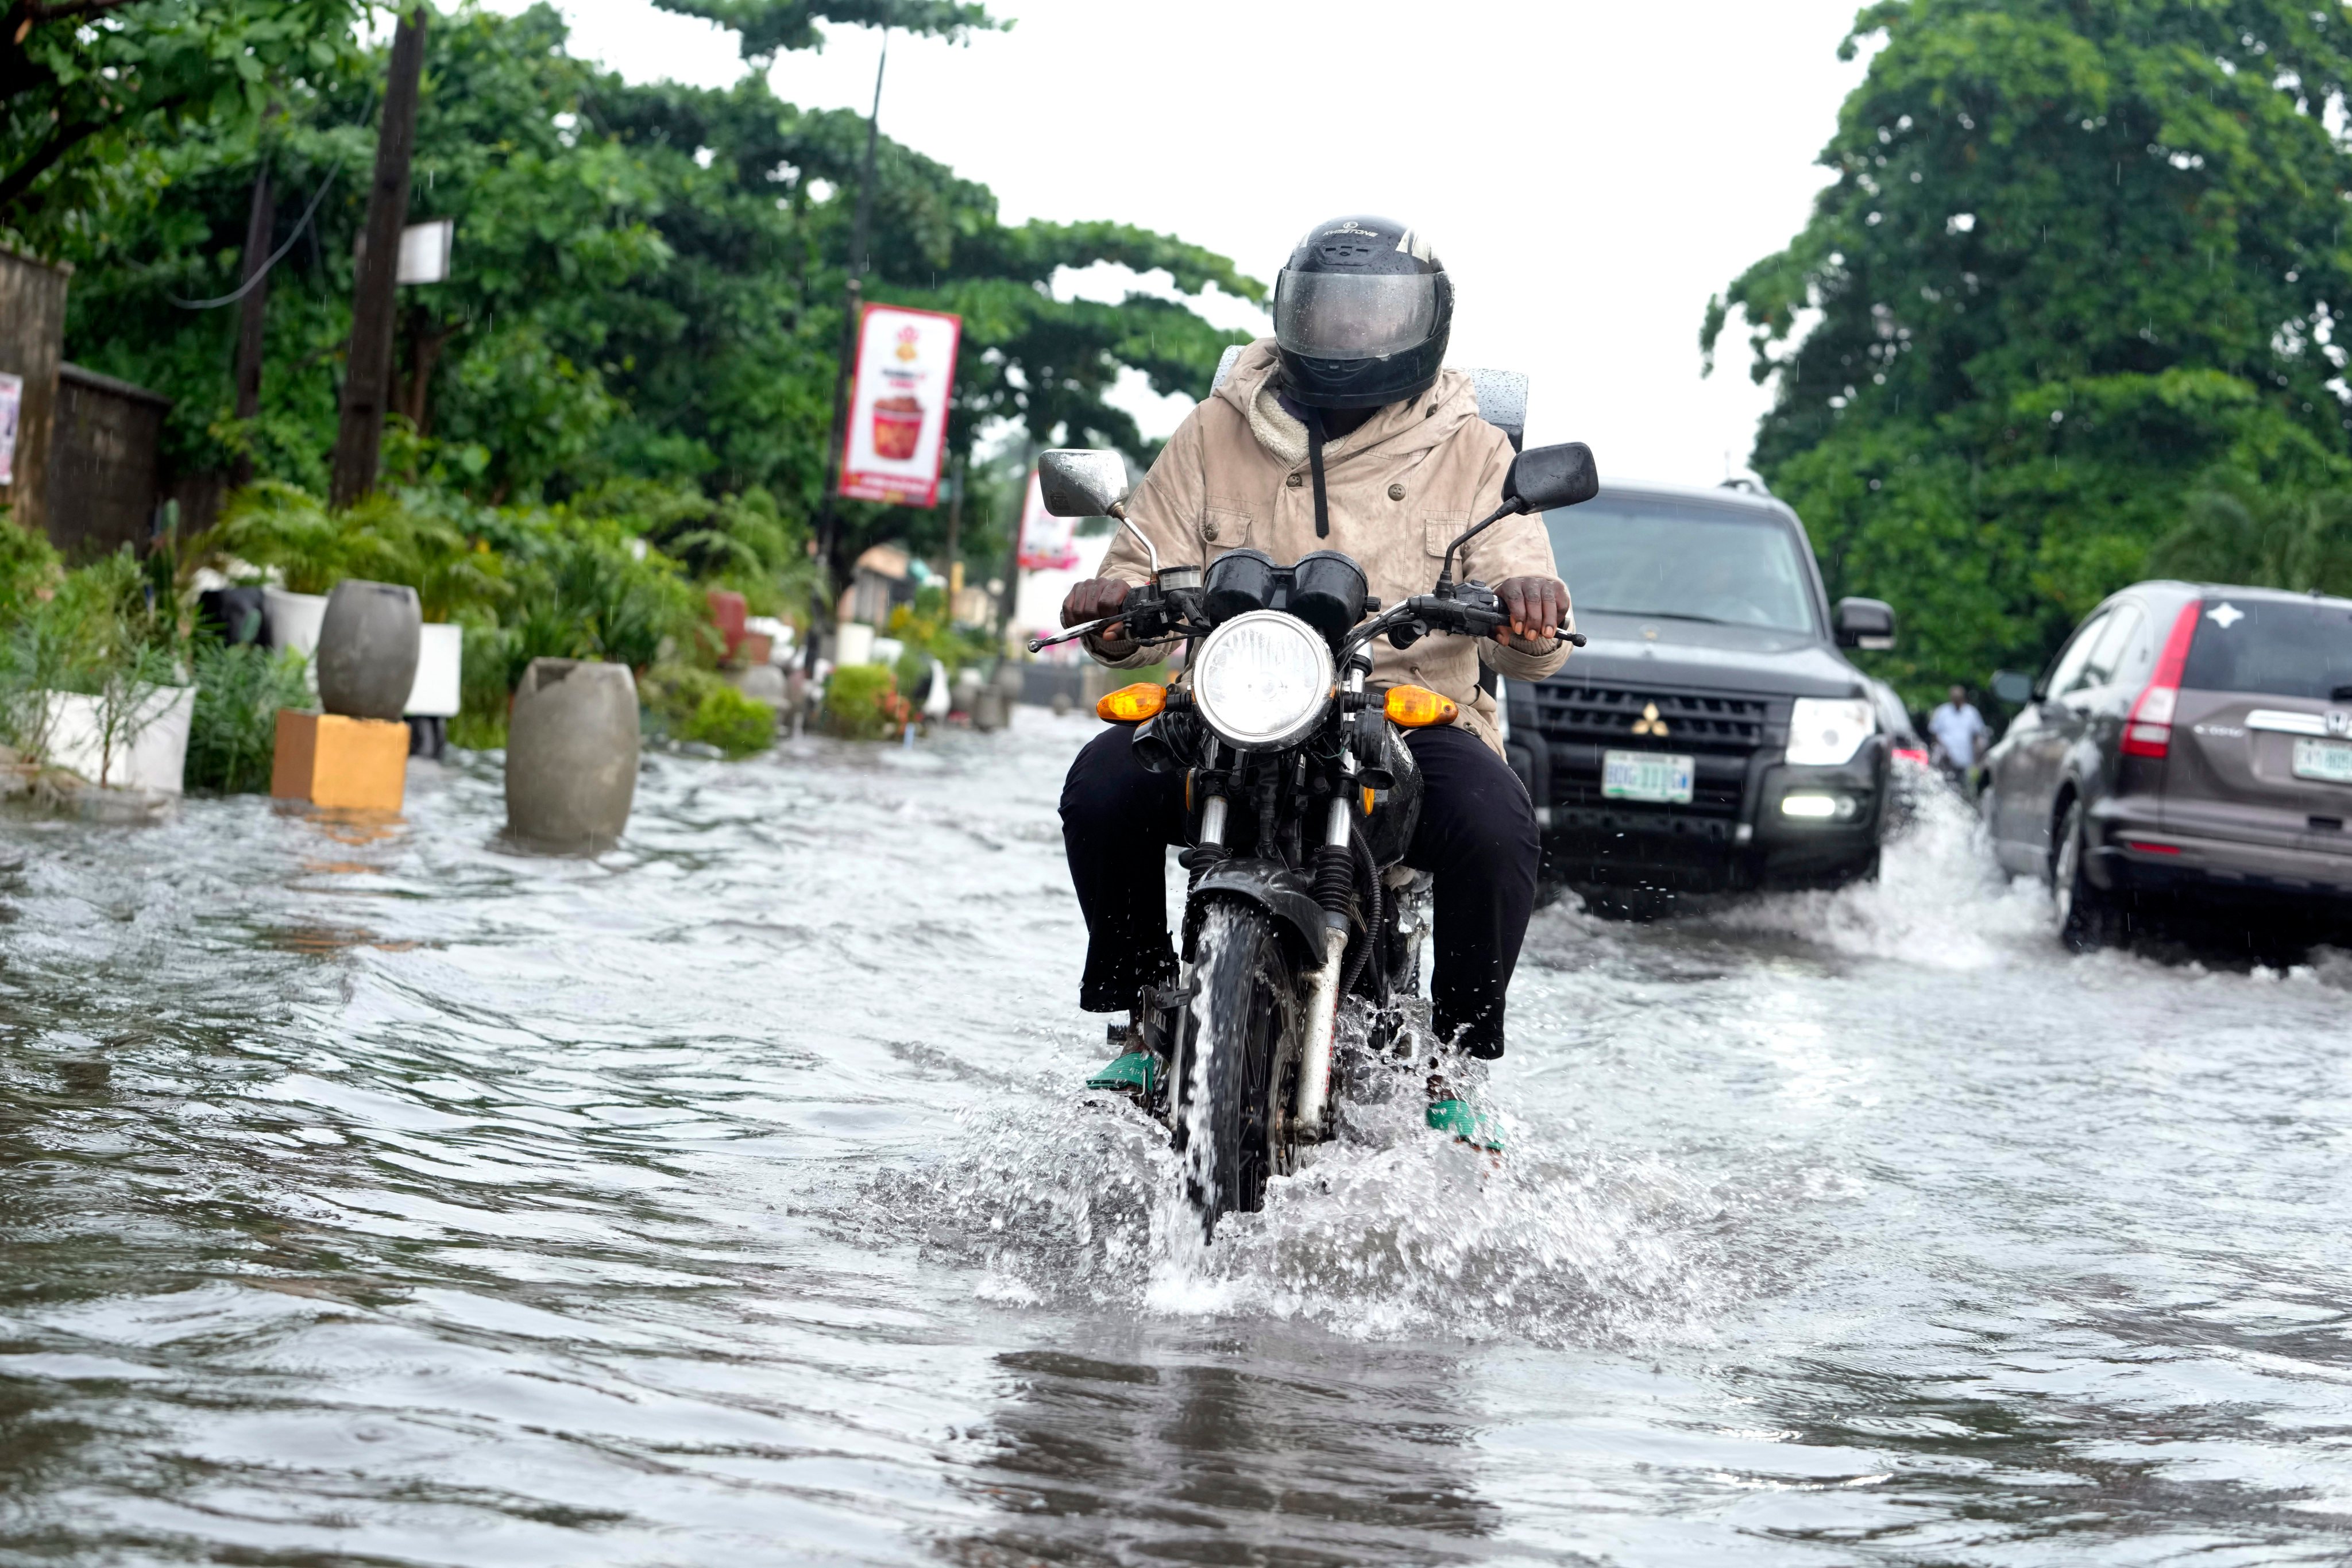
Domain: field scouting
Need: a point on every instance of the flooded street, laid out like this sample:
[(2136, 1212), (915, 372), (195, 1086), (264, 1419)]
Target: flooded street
[(387, 1198)]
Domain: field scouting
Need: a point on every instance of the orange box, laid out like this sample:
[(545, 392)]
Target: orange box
[(359, 764)]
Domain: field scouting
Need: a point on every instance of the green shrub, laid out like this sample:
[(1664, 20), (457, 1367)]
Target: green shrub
[(99, 634), (738, 725), (232, 735), (862, 702)]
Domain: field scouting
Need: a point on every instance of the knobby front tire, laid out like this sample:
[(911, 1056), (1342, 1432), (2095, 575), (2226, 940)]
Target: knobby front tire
[(1239, 1084)]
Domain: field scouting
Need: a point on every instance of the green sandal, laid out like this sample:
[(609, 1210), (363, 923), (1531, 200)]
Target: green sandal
[(1467, 1126), (1136, 1073)]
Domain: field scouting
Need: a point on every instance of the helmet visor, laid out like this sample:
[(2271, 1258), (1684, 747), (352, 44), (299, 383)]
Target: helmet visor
[(1353, 315)]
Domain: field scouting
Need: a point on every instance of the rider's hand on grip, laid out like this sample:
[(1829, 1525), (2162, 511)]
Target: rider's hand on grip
[(1091, 600), (1535, 608)]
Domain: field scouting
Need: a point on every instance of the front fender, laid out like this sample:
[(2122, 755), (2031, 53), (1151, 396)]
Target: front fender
[(1273, 886)]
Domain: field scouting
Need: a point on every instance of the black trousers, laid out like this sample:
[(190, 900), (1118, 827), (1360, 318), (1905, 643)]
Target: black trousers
[(1476, 837)]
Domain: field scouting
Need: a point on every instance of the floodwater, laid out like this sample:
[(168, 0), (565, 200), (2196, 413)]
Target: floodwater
[(380, 1197)]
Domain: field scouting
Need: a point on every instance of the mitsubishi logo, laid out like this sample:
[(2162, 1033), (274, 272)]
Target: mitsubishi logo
[(1649, 723), (2339, 722)]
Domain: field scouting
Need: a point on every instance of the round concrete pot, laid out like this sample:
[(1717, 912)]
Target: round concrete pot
[(368, 646), (572, 756)]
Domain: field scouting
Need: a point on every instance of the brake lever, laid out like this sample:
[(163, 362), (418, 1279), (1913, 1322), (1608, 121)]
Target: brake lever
[(1038, 644)]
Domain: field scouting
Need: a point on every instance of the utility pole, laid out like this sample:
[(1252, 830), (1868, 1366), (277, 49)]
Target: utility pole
[(367, 370), (853, 296), (260, 223), (955, 529)]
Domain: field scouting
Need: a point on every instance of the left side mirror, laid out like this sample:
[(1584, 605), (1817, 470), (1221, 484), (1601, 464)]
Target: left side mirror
[(1078, 481), (2013, 686), (1867, 624), (1542, 477)]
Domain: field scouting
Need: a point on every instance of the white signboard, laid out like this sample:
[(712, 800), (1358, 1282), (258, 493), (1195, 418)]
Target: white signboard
[(424, 251), (898, 411), (12, 408)]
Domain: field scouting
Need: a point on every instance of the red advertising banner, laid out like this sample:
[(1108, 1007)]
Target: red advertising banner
[(898, 431), (1048, 543)]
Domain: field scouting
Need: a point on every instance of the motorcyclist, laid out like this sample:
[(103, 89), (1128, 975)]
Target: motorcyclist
[(1341, 432)]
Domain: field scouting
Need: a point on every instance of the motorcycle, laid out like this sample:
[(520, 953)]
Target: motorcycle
[(1301, 799)]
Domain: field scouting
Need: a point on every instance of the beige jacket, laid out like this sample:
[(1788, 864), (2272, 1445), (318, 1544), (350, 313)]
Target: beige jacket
[(1399, 488)]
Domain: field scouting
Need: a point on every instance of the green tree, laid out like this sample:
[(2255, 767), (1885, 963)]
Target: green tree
[(2081, 259), (83, 83)]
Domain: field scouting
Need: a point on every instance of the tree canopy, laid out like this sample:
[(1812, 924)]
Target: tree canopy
[(647, 280), (2082, 260)]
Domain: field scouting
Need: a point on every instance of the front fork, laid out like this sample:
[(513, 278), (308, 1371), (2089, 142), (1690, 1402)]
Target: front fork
[(1323, 992), (1323, 985)]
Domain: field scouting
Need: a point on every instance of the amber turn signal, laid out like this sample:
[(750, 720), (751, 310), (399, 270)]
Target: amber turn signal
[(1133, 704), (1417, 707)]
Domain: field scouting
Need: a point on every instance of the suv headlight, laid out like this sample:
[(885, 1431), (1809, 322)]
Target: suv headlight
[(1262, 680), (1826, 731)]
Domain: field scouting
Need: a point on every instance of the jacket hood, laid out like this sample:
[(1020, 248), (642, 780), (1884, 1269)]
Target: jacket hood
[(1396, 429)]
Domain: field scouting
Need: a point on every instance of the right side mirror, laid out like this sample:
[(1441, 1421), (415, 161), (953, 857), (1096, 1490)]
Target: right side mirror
[(1079, 481), (2013, 687), (1868, 623), (1542, 477)]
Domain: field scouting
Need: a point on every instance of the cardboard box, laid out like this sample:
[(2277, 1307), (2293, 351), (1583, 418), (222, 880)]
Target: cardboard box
[(357, 764)]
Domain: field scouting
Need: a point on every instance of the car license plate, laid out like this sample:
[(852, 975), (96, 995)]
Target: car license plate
[(1647, 775), (2330, 761)]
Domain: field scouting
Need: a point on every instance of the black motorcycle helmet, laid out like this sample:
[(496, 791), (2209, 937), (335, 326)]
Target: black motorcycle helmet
[(1362, 311)]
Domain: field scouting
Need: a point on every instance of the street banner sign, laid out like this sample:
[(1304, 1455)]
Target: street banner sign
[(897, 432), (1048, 543)]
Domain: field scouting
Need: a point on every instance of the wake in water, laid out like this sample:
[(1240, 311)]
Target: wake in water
[(1388, 1231)]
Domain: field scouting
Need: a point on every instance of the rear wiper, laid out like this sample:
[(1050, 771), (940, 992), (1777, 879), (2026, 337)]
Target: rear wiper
[(2341, 694), (1670, 615)]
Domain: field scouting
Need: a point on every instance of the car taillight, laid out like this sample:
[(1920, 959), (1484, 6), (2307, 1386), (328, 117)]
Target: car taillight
[(2148, 731), (1910, 754)]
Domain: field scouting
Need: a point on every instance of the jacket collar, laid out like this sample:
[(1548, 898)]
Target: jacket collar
[(1397, 430)]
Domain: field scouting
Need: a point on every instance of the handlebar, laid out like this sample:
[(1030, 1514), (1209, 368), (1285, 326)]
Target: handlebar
[(1471, 610)]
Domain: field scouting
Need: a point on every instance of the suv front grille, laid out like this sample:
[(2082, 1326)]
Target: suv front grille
[(1718, 731), (1693, 722)]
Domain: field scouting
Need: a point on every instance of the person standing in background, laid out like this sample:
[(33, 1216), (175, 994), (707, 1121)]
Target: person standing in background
[(1961, 736)]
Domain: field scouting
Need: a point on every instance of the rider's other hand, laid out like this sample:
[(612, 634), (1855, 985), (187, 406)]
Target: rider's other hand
[(1093, 599), (1538, 608)]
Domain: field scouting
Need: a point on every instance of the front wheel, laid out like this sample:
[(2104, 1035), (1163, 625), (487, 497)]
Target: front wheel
[(1238, 1083)]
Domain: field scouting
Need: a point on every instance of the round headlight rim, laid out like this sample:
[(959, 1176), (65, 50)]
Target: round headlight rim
[(1326, 685)]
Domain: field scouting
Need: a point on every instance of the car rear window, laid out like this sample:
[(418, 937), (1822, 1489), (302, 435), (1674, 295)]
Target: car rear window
[(2282, 648)]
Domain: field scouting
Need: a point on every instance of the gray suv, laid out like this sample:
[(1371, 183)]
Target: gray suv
[(2188, 740), (1711, 735)]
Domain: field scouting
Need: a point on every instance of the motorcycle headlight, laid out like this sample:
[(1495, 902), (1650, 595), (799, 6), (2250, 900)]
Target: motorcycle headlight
[(1826, 731), (1262, 680)]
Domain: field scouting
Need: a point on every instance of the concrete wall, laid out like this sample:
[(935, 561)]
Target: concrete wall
[(102, 489), (32, 343)]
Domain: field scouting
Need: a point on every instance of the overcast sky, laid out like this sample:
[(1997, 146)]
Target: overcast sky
[(1590, 173)]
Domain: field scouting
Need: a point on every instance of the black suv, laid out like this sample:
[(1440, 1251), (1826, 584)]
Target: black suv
[(1710, 735)]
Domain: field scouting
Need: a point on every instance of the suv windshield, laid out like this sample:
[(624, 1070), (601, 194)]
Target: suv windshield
[(1688, 562), (2284, 649)]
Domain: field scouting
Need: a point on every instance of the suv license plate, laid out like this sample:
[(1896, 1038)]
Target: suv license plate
[(1655, 776), (2330, 761)]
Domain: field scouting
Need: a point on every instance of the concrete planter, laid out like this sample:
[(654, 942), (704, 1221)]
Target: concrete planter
[(440, 661), (572, 756), (292, 620), (368, 649), (149, 749), (853, 644)]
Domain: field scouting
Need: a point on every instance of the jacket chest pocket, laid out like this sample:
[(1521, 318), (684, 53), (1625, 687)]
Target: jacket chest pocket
[(1440, 529), (1225, 526)]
